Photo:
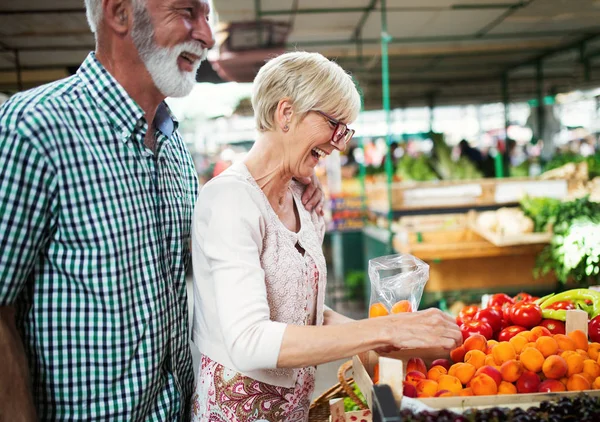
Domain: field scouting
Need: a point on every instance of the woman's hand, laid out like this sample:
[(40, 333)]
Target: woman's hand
[(422, 329)]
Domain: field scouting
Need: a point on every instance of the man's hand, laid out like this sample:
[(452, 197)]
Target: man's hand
[(313, 197), (15, 396)]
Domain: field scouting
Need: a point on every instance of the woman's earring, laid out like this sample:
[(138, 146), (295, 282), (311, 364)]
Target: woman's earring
[(286, 128)]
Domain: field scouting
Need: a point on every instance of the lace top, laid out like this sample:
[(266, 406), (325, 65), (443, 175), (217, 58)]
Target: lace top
[(249, 276)]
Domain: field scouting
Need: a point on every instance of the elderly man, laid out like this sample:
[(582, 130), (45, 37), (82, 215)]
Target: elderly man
[(96, 198)]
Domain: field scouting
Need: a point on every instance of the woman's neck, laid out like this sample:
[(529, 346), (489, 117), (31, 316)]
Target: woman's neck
[(266, 162)]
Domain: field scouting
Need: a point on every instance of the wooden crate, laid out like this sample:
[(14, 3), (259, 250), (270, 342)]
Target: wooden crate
[(391, 372), (460, 193), (506, 240), (462, 259)]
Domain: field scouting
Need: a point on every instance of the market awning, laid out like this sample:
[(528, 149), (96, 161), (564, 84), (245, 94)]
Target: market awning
[(441, 51), (444, 51)]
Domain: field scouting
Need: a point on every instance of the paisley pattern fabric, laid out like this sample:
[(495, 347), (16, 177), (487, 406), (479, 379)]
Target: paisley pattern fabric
[(224, 395)]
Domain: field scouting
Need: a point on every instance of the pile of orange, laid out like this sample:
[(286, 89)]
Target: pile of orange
[(530, 362)]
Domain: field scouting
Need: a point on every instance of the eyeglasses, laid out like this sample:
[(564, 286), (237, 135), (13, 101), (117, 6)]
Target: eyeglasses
[(341, 134)]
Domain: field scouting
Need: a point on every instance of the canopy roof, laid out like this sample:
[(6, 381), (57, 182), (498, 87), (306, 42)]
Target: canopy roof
[(441, 51)]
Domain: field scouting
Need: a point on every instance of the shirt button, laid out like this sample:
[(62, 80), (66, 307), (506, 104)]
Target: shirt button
[(124, 135)]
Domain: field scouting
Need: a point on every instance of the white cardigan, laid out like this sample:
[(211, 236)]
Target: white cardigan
[(249, 278)]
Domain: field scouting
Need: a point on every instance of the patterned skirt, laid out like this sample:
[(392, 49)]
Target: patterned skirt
[(224, 395)]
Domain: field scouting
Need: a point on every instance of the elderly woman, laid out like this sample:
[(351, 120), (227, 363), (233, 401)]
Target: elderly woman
[(259, 271)]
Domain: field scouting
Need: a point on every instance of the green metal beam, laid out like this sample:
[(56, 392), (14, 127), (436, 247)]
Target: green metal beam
[(257, 10), (385, 92), (455, 38), (19, 70), (549, 53), (77, 10), (460, 54), (506, 102), (328, 10), (363, 19), (317, 11), (511, 9), (539, 66), (489, 6)]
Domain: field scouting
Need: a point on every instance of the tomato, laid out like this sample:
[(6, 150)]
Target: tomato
[(467, 313), (522, 297), (500, 299), (564, 304), (476, 327), (491, 316), (506, 309), (526, 314), (510, 332), (554, 326), (594, 329)]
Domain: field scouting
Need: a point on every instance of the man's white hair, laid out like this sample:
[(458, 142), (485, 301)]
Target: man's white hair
[(93, 11)]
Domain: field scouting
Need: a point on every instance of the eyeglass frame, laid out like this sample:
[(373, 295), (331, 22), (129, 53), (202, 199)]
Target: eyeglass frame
[(338, 124)]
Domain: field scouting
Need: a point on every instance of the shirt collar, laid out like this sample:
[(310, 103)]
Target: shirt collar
[(112, 99)]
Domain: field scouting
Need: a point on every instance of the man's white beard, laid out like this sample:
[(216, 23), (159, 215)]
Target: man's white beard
[(162, 65), (161, 62)]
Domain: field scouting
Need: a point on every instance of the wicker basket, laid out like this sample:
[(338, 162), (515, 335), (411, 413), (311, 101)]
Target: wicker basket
[(319, 409)]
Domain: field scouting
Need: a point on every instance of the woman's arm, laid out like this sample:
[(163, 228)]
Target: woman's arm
[(331, 317), (310, 345)]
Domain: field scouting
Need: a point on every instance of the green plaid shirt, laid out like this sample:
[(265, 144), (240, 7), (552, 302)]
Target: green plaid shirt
[(94, 247)]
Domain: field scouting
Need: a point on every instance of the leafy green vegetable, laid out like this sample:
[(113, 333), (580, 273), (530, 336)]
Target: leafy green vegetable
[(522, 170), (448, 169), (574, 252), (542, 211), (415, 169), (560, 160)]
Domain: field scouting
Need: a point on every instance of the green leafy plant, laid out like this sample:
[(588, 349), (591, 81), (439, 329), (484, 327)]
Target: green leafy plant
[(448, 169), (415, 169), (560, 160), (574, 251)]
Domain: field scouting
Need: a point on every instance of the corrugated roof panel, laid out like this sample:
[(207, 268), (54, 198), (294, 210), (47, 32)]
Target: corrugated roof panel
[(311, 4)]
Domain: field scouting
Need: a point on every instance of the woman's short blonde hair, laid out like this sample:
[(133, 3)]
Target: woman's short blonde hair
[(310, 81)]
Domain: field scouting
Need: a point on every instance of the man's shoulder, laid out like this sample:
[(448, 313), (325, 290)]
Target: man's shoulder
[(40, 101)]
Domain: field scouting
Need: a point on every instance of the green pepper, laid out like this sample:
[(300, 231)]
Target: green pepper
[(543, 299), (579, 297), (557, 314)]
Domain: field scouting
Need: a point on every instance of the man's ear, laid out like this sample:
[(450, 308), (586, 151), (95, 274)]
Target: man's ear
[(118, 15)]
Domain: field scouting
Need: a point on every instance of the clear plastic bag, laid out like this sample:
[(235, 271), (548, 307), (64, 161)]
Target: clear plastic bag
[(397, 283)]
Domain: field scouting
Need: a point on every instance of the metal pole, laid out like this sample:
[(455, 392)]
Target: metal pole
[(585, 61), (19, 70), (540, 97), (506, 101), (385, 86), (431, 104), (361, 142)]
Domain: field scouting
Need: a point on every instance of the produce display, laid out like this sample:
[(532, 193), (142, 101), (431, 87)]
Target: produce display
[(582, 408), (516, 345)]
